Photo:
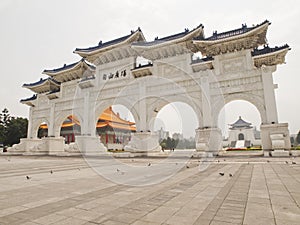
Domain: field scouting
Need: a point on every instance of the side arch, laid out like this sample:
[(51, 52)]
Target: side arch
[(61, 117), (35, 126), (257, 101)]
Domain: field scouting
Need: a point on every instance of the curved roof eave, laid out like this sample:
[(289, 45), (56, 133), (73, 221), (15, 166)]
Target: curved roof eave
[(161, 43), (250, 32), (69, 67), (98, 49)]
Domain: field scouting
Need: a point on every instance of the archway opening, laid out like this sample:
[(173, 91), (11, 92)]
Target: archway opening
[(43, 130), (175, 126), (114, 127), (241, 137), (70, 128), (240, 122)]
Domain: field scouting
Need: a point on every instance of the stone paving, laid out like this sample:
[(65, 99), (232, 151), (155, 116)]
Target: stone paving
[(65, 190)]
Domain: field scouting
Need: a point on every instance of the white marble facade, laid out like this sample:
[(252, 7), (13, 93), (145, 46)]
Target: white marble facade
[(235, 65)]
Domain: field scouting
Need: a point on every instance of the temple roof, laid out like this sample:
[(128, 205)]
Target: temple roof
[(43, 86), (101, 47), (240, 124), (110, 115), (234, 40), (179, 37), (107, 118), (71, 72)]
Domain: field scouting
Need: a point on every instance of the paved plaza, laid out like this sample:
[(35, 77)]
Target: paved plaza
[(66, 190)]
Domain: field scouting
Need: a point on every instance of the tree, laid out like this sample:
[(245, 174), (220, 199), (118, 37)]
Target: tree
[(11, 128), (16, 129)]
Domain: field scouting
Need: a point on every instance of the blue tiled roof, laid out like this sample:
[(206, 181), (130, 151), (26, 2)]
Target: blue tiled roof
[(106, 44), (41, 81), (29, 99), (66, 67), (240, 123), (167, 38), (244, 29), (267, 50)]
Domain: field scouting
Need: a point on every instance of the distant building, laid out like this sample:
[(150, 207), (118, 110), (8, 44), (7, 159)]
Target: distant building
[(162, 134), (243, 135), (177, 136)]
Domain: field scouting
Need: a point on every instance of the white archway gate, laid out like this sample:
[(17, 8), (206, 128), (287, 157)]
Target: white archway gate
[(235, 65)]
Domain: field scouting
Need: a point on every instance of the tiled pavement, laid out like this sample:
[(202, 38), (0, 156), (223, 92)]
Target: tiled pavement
[(260, 191)]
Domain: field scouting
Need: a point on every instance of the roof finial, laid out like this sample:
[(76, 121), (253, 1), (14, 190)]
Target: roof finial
[(139, 29)]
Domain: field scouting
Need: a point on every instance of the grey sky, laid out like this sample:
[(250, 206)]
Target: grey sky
[(38, 34)]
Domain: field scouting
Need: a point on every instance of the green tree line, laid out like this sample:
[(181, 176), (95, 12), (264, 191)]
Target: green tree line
[(12, 128)]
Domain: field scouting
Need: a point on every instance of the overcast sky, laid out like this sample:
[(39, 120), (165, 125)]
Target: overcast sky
[(37, 35)]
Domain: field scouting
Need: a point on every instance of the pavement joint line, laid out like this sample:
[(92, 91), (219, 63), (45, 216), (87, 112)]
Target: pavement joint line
[(270, 202), (285, 186), (156, 193), (222, 193)]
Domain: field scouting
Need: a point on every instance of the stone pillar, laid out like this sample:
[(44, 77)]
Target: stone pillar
[(29, 129), (143, 141), (88, 143), (208, 140), (207, 116), (51, 122), (275, 139), (269, 94)]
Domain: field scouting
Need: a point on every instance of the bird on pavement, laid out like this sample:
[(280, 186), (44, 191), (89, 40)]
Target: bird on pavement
[(149, 164), (286, 162), (51, 171), (293, 162), (230, 175), (28, 177), (222, 174)]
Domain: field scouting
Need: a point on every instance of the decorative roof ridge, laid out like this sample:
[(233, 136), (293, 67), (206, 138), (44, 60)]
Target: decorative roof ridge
[(240, 121), (108, 43), (29, 99), (69, 66), (168, 38), (41, 81), (231, 33), (267, 50)]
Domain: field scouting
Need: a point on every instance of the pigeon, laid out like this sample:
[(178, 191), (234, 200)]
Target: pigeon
[(222, 174), (293, 162), (28, 177), (187, 166), (230, 175), (118, 170), (51, 171), (218, 161), (155, 110), (149, 164), (268, 161), (286, 162)]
